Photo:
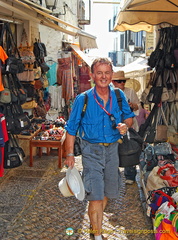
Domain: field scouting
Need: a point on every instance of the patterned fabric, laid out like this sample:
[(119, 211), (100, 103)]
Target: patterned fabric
[(64, 78)]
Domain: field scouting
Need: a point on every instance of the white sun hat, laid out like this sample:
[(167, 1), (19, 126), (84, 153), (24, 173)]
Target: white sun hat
[(72, 184)]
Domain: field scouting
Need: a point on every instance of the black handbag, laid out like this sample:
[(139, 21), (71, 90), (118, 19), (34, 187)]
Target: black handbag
[(14, 155), (155, 94), (130, 149), (30, 89), (44, 67), (21, 120), (13, 63), (9, 117)]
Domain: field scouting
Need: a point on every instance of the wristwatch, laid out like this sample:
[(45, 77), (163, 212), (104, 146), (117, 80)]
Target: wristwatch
[(70, 155)]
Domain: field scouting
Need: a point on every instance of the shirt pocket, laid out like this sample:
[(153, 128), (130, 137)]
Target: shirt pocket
[(91, 130)]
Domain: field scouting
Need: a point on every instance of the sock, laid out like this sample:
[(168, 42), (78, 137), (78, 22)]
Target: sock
[(98, 237)]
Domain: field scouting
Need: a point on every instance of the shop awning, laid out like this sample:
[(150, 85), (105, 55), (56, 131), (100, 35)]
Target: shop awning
[(137, 15), (23, 11), (86, 40), (81, 55), (31, 11), (140, 63)]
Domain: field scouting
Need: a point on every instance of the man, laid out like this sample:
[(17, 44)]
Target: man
[(119, 81), (100, 129)]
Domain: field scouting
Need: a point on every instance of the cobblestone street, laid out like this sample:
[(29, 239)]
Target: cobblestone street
[(32, 207)]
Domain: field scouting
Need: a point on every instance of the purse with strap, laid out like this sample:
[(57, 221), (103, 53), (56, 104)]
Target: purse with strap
[(14, 154)]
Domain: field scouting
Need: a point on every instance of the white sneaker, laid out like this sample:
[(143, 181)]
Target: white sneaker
[(130, 182)]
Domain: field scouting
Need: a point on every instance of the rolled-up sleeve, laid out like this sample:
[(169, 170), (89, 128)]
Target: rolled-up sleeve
[(72, 124)]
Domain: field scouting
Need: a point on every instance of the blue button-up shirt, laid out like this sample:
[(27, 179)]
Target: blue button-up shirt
[(96, 126)]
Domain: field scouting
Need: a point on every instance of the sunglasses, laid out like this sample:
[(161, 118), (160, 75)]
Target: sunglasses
[(120, 81), (112, 118)]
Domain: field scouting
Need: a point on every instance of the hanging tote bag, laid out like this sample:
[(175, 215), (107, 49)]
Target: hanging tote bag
[(26, 51)]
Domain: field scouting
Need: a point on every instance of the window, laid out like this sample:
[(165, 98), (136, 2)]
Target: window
[(122, 43), (84, 12)]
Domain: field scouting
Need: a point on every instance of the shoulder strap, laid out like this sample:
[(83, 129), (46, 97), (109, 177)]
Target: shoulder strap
[(85, 105), (119, 99)]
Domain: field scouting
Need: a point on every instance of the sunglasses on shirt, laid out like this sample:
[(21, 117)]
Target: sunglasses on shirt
[(112, 118), (120, 81)]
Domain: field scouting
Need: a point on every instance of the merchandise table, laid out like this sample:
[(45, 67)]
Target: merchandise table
[(59, 144), (24, 142)]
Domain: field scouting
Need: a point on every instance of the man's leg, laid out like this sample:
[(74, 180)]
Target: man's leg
[(105, 201), (95, 212)]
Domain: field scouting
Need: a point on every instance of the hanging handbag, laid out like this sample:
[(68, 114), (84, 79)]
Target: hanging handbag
[(37, 70), (29, 104), (26, 76), (14, 155), (155, 94), (161, 128), (30, 89), (5, 95), (44, 67), (147, 124), (21, 120), (156, 90), (157, 54), (14, 62), (26, 52)]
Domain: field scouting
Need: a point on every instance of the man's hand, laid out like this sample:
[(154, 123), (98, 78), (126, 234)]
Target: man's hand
[(122, 127), (133, 106), (70, 161)]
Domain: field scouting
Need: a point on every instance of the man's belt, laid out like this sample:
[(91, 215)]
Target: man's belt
[(108, 144)]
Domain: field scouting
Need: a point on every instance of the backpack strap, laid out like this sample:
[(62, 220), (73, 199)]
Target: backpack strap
[(119, 99), (85, 105)]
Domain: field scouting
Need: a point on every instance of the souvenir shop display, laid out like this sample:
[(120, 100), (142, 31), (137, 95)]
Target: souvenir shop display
[(52, 130), (159, 158)]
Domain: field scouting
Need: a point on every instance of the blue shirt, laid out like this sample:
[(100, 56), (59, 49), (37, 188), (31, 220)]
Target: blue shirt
[(96, 126)]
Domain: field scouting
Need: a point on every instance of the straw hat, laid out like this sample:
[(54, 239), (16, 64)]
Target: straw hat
[(134, 84), (119, 76), (72, 184)]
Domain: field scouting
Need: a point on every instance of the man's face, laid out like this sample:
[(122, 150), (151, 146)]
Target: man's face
[(119, 84), (102, 75)]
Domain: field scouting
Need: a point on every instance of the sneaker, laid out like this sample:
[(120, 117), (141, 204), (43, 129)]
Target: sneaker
[(129, 182)]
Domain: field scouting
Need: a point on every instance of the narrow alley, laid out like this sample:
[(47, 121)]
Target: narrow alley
[(32, 207)]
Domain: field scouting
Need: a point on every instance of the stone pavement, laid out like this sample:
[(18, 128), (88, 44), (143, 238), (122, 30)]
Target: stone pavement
[(32, 207)]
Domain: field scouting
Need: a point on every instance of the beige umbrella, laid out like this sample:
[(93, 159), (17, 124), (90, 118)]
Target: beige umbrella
[(137, 15)]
